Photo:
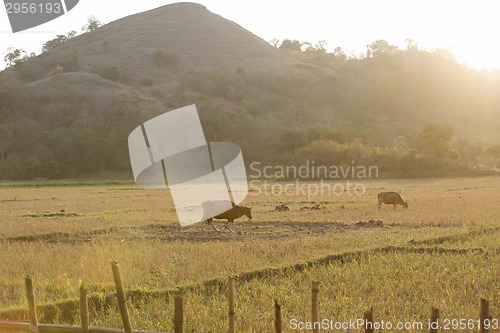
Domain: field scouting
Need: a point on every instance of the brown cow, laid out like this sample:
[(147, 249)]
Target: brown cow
[(391, 198), (211, 211)]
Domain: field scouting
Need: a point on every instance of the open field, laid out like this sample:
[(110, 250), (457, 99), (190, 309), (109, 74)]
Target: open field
[(397, 284), (60, 235)]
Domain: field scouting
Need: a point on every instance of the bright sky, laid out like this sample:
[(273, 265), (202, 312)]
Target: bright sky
[(469, 29)]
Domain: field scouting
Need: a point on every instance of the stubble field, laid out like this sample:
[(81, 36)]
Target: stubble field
[(445, 253)]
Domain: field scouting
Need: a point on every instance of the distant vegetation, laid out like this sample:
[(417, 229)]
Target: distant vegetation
[(411, 112)]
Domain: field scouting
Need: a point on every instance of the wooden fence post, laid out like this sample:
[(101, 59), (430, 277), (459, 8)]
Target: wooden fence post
[(277, 317), (434, 324), (84, 309), (230, 298), (484, 316), (122, 300), (315, 306), (30, 297), (178, 314), (369, 321)]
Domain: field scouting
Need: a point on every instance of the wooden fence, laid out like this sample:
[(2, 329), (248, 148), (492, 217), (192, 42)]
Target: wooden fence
[(178, 319)]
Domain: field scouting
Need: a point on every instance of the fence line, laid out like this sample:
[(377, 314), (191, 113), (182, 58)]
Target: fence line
[(230, 301), (277, 317), (122, 299), (84, 309), (178, 314), (368, 316), (33, 326), (315, 305), (267, 272), (434, 320)]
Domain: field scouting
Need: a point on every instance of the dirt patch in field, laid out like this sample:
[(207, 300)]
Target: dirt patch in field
[(201, 232), (242, 230)]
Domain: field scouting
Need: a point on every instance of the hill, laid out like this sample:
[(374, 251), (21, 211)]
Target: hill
[(161, 44), (68, 112)]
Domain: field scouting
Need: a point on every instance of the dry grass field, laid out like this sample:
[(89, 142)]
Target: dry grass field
[(60, 235)]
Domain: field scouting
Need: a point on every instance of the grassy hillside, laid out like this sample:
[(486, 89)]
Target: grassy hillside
[(68, 112)]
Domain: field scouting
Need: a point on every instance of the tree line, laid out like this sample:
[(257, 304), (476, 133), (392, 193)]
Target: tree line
[(386, 108)]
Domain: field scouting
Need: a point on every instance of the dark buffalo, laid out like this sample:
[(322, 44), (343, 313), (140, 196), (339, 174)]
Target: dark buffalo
[(391, 198), (231, 214)]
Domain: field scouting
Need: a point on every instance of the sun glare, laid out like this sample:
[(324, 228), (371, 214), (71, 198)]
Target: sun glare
[(471, 30), (479, 59)]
